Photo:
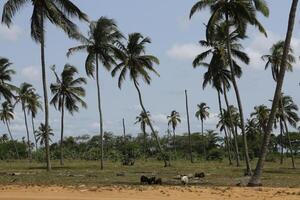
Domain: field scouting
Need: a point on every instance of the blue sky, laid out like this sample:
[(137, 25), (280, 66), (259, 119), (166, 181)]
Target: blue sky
[(174, 42)]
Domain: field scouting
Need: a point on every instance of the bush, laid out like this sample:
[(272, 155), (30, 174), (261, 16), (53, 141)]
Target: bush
[(215, 154), (271, 157)]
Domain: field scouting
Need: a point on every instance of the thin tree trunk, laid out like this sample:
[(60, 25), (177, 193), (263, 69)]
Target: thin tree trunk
[(203, 138), (226, 136), (62, 132), (44, 77), (34, 135), (100, 111), (256, 178), (12, 139), (124, 129), (239, 102), (27, 132), (174, 143), (189, 128), (164, 156), (289, 143), (281, 141), (145, 137), (234, 132)]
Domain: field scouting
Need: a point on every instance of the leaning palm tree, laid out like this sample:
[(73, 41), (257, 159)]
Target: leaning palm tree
[(6, 115), (33, 105), (58, 12), (100, 46), (256, 178), (174, 119), (24, 95), (67, 92), (142, 119), (202, 114), (135, 61), (6, 77), (236, 15)]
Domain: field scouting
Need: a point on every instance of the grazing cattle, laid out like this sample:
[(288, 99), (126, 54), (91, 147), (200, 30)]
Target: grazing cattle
[(158, 181), (199, 175), (184, 180), (151, 180), (144, 180)]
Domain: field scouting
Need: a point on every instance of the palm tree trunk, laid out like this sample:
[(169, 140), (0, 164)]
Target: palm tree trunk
[(27, 132), (47, 146), (100, 111), (204, 143), (256, 178), (124, 129), (33, 132), (145, 143), (164, 156), (226, 136), (62, 132), (234, 132), (189, 128), (174, 142), (12, 139), (239, 102), (289, 143), (281, 141)]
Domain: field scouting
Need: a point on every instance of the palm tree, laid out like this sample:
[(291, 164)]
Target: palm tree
[(287, 112), (67, 93), (236, 15), (143, 120), (33, 105), (58, 12), (202, 114), (137, 63), (43, 134), (6, 115), (256, 178), (100, 46), (261, 114), (24, 96), (174, 120), (273, 60), (6, 77)]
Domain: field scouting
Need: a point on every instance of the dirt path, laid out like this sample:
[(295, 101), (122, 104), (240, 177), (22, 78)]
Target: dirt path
[(153, 193)]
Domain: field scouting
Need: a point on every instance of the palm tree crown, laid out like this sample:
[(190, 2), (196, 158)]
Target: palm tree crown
[(6, 112), (43, 132), (202, 112), (6, 77), (174, 119)]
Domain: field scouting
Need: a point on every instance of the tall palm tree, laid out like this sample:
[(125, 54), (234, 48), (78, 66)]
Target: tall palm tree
[(135, 61), (6, 115), (202, 114), (100, 46), (59, 13), (67, 93), (143, 120), (6, 77), (236, 15), (174, 120), (287, 113), (24, 95), (256, 178), (33, 105)]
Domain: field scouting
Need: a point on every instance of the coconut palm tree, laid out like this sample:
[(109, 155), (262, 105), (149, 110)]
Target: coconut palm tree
[(33, 105), (59, 13), (24, 95), (6, 77), (6, 115), (43, 133), (202, 114), (273, 60), (135, 61), (287, 113), (67, 93), (100, 46), (236, 15), (174, 120), (143, 120), (261, 114), (256, 178)]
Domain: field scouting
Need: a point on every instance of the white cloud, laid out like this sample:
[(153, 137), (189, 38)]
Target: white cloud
[(185, 51), (159, 118), (31, 73), (10, 34)]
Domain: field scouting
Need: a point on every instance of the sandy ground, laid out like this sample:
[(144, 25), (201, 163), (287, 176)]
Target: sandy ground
[(139, 193)]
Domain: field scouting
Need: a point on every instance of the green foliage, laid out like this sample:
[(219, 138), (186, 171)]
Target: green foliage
[(215, 154)]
